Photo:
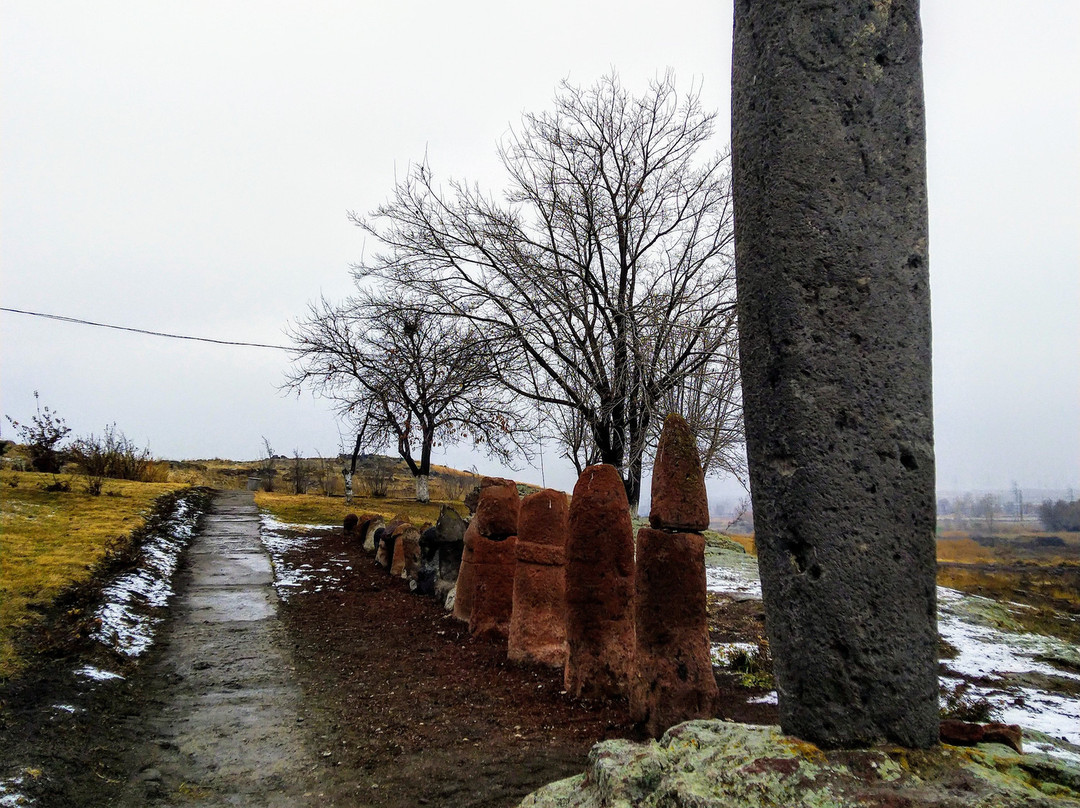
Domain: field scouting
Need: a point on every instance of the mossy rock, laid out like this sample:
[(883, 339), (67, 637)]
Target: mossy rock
[(710, 764)]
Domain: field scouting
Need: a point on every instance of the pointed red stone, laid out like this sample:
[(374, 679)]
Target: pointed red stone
[(679, 500), (673, 677)]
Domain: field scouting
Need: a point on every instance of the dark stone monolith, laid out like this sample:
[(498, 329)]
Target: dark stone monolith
[(351, 521), (829, 177), (538, 620), (599, 587)]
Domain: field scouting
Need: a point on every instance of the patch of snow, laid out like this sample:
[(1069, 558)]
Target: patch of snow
[(10, 796), (768, 698), (125, 620), (1050, 749), (67, 708), (738, 576), (279, 539), (992, 656), (277, 526), (722, 652), (97, 674)]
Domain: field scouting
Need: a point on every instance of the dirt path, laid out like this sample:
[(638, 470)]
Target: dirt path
[(225, 727)]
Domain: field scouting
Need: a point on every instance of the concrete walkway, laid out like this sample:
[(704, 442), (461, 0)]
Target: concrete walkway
[(228, 726)]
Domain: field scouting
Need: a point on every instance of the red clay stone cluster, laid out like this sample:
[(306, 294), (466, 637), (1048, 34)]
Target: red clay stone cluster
[(672, 679), (561, 584)]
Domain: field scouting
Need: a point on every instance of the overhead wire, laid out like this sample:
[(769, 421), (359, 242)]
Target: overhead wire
[(77, 321)]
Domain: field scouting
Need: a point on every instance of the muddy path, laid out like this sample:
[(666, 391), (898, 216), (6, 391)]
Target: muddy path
[(223, 710)]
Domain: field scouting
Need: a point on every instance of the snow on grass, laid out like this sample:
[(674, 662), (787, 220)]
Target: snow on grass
[(126, 619), (768, 698), (735, 575), (280, 538), (723, 652), (994, 659), (10, 796)]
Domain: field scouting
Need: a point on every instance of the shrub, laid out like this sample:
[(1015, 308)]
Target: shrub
[(113, 456), (959, 704), (456, 486), (1060, 515), (42, 437), (375, 479), (754, 666)]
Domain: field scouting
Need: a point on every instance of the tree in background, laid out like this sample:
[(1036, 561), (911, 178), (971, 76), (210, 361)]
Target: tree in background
[(407, 376), (604, 282), (1060, 515)]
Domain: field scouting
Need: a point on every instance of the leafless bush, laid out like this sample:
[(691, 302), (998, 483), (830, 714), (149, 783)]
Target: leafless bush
[(267, 471), (114, 456), (456, 486), (375, 478), (299, 474), (324, 473)]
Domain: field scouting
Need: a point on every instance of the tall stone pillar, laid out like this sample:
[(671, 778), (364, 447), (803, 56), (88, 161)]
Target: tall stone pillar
[(599, 587), (829, 173)]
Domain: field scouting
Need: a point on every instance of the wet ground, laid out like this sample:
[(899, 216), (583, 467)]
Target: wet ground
[(292, 670)]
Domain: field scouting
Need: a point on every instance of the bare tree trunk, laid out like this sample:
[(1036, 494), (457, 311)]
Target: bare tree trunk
[(422, 487)]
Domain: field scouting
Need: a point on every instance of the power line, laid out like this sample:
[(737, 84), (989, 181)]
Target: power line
[(144, 331)]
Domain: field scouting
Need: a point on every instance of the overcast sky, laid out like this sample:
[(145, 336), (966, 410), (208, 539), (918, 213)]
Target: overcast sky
[(187, 168)]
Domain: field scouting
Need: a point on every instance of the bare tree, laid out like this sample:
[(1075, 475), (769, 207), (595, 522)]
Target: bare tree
[(267, 470), (710, 399), (409, 378), (606, 269), (298, 474)]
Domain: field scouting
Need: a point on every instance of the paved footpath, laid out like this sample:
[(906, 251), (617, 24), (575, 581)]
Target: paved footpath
[(227, 728)]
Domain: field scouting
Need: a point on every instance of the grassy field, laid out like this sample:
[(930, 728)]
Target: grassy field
[(310, 509), (50, 540)]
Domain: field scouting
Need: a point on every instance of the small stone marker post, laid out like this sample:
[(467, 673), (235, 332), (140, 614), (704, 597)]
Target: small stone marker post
[(829, 174)]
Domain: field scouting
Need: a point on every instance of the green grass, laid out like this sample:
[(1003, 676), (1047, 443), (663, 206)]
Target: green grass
[(51, 540)]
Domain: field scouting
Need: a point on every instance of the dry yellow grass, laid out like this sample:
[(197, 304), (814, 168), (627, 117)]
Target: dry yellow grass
[(51, 540), (310, 509)]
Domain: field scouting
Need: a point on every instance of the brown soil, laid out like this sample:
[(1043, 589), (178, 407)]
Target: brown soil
[(416, 712)]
